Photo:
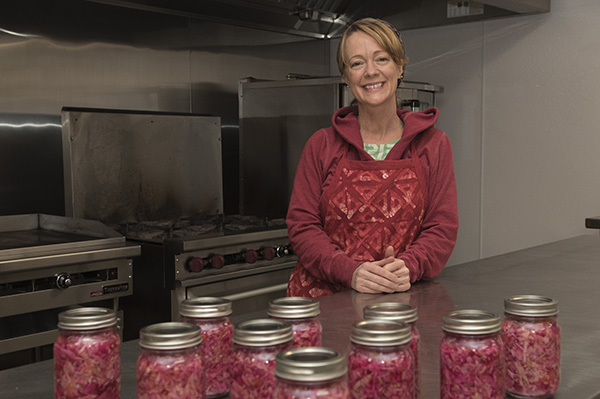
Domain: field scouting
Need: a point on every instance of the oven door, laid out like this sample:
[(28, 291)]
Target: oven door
[(30, 300), (247, 293)]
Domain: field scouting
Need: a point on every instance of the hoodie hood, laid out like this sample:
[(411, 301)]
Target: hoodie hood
[(345, 123)]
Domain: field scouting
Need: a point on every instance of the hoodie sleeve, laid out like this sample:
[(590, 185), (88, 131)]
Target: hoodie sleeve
[(315, 251), (428, 254)]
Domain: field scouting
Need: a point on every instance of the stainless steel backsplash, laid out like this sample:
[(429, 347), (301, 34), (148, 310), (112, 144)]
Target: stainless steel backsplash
[(82, 54)]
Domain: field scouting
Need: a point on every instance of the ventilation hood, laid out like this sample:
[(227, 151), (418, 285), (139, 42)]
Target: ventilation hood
[(323, 19)]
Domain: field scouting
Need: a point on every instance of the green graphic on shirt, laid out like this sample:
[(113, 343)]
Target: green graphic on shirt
[(379, 151)]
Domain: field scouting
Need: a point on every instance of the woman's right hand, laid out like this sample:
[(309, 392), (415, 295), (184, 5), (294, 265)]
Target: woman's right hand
[(372, 278), (383, 276)]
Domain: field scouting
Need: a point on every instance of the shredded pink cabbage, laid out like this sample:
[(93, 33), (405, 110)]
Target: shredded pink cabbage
[(415, 345), (373, 373), (217, 350), (87, 365), (253, 371), (170, 374), (532, 357), (306, 333), (336, 389), (472, 367)]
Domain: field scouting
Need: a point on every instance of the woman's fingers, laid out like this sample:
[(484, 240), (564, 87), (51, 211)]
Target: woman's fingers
[(373, 278)]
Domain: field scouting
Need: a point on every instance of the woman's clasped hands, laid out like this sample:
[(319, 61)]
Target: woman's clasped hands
[(387, 275)]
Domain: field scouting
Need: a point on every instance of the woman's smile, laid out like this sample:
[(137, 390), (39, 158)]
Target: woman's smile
[(370, 72), (373, 86)]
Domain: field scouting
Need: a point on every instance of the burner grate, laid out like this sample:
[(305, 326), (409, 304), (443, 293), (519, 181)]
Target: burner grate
[(198, 226)]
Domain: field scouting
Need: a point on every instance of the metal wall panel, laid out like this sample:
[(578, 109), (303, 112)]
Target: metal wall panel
[(127, 167), (132, 61), (31, 175)]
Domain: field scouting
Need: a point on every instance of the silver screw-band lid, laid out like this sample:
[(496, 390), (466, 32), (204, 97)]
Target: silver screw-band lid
[(262, 332), (471, 321), (205, 307), (310, 364), (170, 336), (86, 318)]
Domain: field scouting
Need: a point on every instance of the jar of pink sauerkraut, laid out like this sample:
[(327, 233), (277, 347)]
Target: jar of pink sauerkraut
[(212, 315), (311, 373), (302, 314), (87, 354), (170, 364), (471, 356), (380, 362), (256, 344), (531, 336), (396, 311)]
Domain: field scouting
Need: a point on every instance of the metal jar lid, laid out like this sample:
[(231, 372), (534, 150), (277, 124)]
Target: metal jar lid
[(262, 332), (86, 318), (394, 311), (294, 308), (531, 305), (380, 333), (205, 307), (472, 322), (310, 364), (170, 336)]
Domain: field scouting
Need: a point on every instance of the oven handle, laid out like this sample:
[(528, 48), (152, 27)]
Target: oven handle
[(260, 291)]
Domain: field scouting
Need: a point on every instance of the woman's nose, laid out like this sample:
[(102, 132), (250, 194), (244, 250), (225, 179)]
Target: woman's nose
[(371, 69)]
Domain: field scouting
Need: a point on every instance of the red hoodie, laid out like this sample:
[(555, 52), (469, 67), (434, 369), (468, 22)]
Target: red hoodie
[(429, 252)]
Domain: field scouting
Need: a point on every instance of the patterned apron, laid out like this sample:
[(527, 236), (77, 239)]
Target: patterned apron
[(368, 207)]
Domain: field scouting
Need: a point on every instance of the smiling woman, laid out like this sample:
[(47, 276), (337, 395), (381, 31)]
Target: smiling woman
[(357, 222), (372, 75)]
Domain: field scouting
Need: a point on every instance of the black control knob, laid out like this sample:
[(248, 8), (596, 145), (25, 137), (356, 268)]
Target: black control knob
[(283, 250), (63, 280)]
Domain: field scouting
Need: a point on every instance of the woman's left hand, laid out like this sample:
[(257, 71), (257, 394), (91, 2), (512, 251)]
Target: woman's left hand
[(396, 266)]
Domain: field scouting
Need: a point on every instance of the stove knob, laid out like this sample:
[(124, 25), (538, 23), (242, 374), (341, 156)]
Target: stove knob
[(195, 264), (282, 250), (268, 253), (63, 280), (217, 261), (251, 256)]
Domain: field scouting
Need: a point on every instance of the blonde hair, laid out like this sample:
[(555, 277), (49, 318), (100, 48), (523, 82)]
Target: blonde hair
[(384, 34)]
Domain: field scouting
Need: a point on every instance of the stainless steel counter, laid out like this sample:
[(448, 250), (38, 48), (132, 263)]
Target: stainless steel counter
[(567, 270)]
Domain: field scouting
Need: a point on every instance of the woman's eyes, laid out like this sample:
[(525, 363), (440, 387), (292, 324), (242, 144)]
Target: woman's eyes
[(378, 60)]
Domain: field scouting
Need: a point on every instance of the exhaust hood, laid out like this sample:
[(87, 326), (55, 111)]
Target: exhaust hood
[(324, 19)]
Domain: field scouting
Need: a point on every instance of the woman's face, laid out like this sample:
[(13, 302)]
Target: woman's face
[(371, 73)]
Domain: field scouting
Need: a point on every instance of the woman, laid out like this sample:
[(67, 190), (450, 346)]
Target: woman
[(355, 221)]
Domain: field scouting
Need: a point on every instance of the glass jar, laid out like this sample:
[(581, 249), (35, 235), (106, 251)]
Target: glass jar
[(396, 311), (302, 314), (531, 335), (212, 315), (170, 363), (380, 362), (471, 356), (87, 354), (256, 343), (311, 373)]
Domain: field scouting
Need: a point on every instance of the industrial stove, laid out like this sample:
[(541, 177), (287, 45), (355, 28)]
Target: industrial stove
[(156, 178), (52, 263), (246, 260)]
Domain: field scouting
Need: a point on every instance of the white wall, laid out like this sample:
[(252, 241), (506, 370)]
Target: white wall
[(520, 107)]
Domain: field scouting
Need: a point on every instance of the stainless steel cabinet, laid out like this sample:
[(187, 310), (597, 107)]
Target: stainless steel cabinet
[(277, 118)]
